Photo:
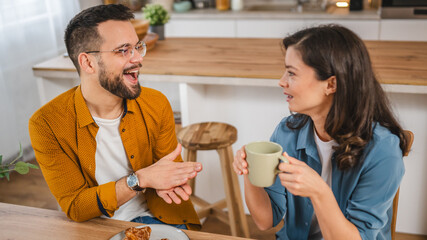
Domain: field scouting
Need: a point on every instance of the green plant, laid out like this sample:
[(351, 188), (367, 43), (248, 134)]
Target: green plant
[(15, 165), (155, 14)]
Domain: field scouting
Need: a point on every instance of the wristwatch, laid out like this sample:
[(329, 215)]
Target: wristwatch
[(133, 183)]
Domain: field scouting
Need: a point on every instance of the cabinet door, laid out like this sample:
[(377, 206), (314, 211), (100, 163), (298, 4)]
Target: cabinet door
[(403, 30), (365, 29), (200, 28), (264, 28)]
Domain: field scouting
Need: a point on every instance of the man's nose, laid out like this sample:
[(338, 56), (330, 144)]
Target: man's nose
[(136, 57)]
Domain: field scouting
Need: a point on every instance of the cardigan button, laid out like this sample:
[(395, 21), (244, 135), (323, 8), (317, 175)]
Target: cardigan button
[(123, 130), (184, 221), (131, 156), (160, 217)]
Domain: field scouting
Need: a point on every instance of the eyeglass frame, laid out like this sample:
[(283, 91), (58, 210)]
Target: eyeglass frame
[(121, 50)]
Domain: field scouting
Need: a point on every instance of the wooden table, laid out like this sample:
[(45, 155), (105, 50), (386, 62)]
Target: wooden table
[(20, 222)]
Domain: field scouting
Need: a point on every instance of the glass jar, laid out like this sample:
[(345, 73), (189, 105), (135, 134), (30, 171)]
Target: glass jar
[(222, 4)]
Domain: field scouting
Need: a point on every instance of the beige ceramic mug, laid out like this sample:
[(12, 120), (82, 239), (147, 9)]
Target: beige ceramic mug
[(263, 159)]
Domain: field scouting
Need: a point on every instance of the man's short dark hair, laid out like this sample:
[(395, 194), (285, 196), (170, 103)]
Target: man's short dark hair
[(82, 34)]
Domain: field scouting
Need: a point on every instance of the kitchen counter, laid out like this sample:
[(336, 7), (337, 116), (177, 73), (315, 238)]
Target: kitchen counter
[(400, 66)]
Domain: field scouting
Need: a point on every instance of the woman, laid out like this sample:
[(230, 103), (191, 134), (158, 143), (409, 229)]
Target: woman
[(343, 144)]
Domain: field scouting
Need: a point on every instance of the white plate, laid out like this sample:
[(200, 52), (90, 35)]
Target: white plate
[(158, 231)]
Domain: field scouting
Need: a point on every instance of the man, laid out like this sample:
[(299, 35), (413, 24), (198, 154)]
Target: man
[(108, 147)]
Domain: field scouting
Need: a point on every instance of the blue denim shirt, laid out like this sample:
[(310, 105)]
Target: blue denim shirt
[(364, 193)]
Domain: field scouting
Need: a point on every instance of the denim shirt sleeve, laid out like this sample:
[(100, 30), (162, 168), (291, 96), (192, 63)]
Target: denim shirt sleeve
[(277, 193), (370, 206)]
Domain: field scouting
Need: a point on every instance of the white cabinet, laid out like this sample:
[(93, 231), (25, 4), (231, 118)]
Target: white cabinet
[(262, 28), (368, 27), (200, 28), (365, 29), (403, 30)]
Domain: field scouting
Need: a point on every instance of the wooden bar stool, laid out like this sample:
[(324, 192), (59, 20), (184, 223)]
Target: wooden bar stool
[(217, 136)]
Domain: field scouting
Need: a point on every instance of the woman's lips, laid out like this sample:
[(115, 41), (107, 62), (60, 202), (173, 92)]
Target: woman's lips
[(288, 97)]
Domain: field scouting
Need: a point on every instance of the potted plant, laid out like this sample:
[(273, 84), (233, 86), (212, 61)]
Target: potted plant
[(15, 165), (157, 15)]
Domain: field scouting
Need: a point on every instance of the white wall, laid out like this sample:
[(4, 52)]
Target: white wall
[(411, 109)]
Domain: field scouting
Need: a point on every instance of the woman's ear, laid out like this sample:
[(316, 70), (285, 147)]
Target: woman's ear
[(331, 86), (86, 63)]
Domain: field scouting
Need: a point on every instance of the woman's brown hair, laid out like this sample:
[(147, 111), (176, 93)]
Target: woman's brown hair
[(359, 102)]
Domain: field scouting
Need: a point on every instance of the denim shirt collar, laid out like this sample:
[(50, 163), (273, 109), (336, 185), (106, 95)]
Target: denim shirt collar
[(306, 140)]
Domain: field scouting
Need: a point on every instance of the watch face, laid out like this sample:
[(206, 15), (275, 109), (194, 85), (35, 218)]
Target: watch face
[(132, 180)]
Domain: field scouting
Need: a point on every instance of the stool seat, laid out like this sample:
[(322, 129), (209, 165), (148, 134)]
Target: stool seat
[(216, 136), (207, 136)]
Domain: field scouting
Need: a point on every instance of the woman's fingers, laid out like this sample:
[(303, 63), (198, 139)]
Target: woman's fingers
[(239, 164)]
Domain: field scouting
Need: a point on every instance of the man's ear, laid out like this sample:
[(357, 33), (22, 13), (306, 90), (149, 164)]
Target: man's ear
[(86, 63), (331, 86)]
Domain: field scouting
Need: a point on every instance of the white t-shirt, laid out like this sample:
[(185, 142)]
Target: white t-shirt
[(112, 164), (325, 154)]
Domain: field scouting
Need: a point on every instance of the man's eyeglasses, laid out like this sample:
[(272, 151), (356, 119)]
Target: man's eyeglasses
[(127, 50)]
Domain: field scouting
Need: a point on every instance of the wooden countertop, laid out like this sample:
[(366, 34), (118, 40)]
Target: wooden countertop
[(20, 222), (403, 63)]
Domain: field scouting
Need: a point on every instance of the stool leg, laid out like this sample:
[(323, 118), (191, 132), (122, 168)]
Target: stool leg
[(190, 156), (237, 216)]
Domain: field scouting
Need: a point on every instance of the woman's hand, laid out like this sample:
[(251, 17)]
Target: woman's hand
[(240, 165), (299, 179)]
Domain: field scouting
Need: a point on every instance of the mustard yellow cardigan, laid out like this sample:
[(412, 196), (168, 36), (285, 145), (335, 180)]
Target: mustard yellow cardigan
[(63, 137)]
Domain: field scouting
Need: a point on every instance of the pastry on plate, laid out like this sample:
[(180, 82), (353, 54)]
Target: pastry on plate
[(134, 233)]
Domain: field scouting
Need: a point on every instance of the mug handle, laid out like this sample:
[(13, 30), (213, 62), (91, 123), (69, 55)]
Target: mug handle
[(285, 160)]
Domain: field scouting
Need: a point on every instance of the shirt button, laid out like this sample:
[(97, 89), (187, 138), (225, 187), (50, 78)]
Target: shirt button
[(123, 130), (131, 156), (306, 223)]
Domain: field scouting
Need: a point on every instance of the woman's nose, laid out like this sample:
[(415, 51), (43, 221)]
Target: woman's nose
[(283, 82)]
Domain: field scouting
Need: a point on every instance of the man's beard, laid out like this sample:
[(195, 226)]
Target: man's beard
[(116, 85)]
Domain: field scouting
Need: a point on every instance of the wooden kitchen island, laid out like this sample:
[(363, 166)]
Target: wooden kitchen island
[(235, 80)]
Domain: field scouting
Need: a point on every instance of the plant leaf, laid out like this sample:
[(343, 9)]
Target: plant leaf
[(7, 176), (20, 151), (1, 159), (30, 165), (22, 168)]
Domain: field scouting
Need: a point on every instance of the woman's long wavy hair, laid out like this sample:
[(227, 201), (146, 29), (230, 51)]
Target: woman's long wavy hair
[(359, 101)]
